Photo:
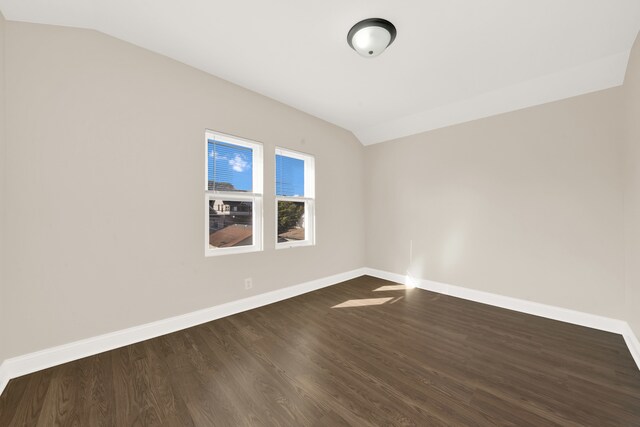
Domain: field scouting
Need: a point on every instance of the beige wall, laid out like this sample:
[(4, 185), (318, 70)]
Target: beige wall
[(526, 204), (632, 188), (105, 188), (103, 225), (3, 301)]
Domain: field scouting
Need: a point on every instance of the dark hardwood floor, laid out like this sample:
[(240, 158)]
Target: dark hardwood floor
[(358, 353)]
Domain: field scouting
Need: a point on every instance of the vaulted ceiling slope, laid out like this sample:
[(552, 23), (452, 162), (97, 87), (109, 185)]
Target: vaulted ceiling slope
[(452, 61)]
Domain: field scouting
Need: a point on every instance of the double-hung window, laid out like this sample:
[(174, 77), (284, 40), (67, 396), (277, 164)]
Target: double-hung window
[(233, 195), (295, 198)]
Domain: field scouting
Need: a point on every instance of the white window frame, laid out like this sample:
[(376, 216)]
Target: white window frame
[(255, 197), (309, 199)]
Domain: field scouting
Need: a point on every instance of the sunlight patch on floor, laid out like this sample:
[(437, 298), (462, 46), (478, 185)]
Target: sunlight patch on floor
[(365, 302), (391, 288)]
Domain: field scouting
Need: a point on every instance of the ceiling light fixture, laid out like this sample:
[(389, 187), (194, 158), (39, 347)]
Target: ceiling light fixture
[(371, 37)]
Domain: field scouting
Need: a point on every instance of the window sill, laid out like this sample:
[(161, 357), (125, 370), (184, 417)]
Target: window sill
[(230, 251), (288, 245)]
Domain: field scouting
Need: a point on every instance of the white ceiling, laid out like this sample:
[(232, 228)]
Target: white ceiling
[(452, 61)]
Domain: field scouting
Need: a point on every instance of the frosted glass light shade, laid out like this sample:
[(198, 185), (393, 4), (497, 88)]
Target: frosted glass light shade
[(371, 37)]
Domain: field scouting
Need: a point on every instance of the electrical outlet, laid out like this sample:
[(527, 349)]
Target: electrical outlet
[(248, 283)]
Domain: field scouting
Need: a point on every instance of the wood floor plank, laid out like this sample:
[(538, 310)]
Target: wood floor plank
[(365, 352), (16, 389), (29, 408), (134, 402)]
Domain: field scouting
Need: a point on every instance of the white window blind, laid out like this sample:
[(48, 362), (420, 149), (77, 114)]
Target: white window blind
[(233, 195), (295, 198)]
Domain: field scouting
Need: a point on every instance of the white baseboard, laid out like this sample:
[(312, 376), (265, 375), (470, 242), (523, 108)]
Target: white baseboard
[(4, 376), (548, 311), (32, 362), (632, 342)]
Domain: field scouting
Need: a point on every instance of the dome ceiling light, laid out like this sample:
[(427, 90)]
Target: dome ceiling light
[(371, 37)]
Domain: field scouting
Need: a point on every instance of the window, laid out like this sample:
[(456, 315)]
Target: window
[(295, 198), (233, 195)]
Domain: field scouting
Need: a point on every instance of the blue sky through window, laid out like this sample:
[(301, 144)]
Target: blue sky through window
[(229, 163), (289, 176)]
